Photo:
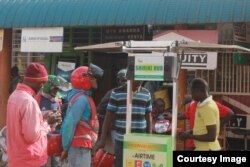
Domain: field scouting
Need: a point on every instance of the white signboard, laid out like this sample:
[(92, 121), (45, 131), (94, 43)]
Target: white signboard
[(206, 60), (1, 39), (149, 67), (42, 39)]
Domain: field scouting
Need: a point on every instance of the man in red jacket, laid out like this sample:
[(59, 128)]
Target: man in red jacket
[(224, 112)]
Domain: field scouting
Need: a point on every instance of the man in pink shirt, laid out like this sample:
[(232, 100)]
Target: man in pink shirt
[(26, 129)]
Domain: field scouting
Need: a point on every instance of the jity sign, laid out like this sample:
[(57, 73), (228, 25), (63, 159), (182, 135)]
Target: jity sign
[(206, 60)]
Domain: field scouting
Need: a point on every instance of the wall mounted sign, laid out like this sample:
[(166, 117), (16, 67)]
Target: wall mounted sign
[(42, 39), (126, 33)]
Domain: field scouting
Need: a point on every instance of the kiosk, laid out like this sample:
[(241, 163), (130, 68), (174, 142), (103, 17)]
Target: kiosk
[(150, 61)]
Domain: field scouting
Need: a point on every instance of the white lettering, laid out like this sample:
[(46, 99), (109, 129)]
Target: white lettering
[(238, 121), (194, 58), (237, 160), (203, 58), (179, 158)]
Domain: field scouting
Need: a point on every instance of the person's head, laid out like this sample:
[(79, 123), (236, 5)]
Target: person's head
[(85, 77), (121, 77), (52, 85), (136, 85), (159, 105), (199, 89), (35, 76), (14, 71)]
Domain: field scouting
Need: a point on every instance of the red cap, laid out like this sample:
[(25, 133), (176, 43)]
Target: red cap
[(36, 72)]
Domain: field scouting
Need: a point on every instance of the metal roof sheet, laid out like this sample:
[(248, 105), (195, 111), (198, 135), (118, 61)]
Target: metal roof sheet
[(41, 13)]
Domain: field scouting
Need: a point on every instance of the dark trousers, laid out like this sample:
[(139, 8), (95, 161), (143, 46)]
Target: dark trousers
[(118, 153)]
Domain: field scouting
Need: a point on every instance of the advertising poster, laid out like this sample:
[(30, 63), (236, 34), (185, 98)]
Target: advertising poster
[(149, 67), (145, 150), (42, 39), (64, 69)]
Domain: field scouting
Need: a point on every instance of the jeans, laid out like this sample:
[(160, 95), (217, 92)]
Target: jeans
[(118, 153), (79, 157)]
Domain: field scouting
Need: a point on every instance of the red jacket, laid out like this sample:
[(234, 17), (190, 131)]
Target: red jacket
[(86, 132)]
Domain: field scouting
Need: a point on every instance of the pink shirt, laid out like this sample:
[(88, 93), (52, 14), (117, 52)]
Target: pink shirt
[(26, 130)]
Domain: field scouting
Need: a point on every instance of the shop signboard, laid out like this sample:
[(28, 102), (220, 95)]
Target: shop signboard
[(241, 37), (240, 121), (201, 60), (125, 33), (42, 39), (145, 150), (1, 39), (149, 67), (153, 66)]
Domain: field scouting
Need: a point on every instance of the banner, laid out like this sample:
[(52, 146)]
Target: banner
[(1, 39), (42, 39)]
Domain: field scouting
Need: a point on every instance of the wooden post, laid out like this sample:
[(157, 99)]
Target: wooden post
[(182, 91), (5, 67)]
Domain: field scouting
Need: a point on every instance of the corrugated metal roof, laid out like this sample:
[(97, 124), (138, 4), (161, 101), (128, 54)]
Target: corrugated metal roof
[(40, 13)]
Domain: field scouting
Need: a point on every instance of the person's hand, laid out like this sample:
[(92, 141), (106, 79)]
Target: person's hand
[(98, 145), (183, 135), (167, 116), (53, 118), (64, 155)]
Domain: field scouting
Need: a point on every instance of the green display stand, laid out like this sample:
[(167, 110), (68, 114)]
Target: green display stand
[(147, 150)]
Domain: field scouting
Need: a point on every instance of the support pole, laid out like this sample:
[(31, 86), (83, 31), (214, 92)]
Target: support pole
[(129, 106), (174, 113)]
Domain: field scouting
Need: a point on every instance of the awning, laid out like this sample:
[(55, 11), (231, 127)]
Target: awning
[(62, 13), (209, 47), (105, 47), (162, 46)]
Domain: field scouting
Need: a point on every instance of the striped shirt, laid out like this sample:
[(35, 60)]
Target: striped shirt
[(141, 104)]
